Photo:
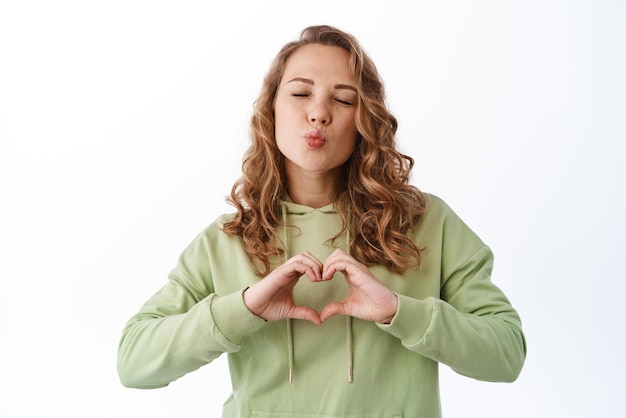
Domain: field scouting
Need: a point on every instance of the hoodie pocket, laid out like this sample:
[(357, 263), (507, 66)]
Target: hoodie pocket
[(262, 414)]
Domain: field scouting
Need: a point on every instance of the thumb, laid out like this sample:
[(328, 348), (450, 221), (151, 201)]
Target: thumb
[(306, 313), (332, 309)]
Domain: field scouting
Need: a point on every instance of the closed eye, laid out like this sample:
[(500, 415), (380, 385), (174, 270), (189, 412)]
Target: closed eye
[(344, 102)]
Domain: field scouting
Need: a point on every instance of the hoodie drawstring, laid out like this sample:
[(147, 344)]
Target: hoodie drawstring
[(349, 321), (289, 324), (290, 339)]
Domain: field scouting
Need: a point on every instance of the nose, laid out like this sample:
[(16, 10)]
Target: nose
[(319, 113)]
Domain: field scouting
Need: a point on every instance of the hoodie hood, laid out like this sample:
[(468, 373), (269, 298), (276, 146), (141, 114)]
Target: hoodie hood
[(298, 209)]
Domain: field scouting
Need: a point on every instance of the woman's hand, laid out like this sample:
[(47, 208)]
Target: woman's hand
[(367, 298), (272, 297)]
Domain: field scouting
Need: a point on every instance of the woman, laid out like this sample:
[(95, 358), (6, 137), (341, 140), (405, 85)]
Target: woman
[(336, 288)]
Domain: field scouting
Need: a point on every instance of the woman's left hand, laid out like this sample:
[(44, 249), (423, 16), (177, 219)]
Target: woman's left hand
[(367, 298)]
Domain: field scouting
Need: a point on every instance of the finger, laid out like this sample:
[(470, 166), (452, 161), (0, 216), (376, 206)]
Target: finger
[(311, 257), (296, 267), (339, 264), (341, 261), (312, 272), (306, 313), (316, 266), (332, 309), (307, 263), (337, 254)]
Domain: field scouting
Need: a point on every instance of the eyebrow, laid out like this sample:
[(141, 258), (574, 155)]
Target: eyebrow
[(311, 82)]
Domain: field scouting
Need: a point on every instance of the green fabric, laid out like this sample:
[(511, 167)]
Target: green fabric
[(449, 312)]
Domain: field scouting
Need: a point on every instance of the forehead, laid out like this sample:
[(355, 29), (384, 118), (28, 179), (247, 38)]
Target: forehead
[(319, 61)]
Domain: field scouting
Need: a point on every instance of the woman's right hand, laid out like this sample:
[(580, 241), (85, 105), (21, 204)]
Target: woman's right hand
[(272, 297)]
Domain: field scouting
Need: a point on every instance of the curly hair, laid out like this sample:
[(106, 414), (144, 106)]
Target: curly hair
[(376, 203)]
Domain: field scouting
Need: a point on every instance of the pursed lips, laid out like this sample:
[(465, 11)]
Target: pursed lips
[(315, 138)]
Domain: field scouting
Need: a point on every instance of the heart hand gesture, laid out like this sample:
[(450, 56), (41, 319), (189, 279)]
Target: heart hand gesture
[(367, 299)]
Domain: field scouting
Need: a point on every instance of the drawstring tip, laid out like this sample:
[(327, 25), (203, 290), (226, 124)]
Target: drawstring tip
[(290, 375), (349, 374)]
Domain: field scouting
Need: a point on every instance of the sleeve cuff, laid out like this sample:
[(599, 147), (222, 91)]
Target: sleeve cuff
[(411, 321), (233, 318)]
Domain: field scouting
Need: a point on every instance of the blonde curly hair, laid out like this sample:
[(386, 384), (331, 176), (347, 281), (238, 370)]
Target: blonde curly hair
[(376, 203)]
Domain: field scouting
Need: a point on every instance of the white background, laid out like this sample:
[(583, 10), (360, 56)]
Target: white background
[(122, 126)]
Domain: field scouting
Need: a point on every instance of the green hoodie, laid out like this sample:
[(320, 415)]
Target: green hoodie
[(449, 312)]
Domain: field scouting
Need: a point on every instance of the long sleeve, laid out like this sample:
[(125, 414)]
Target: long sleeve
[(184, 325), (471, 326)]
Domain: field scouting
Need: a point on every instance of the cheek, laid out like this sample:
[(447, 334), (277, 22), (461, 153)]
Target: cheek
[(348, 146), (350, 123), (282, 130), (283, 114), (350, 131), (279, 119)]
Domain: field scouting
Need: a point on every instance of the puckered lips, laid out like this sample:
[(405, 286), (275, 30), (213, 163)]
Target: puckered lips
[(315, 138)]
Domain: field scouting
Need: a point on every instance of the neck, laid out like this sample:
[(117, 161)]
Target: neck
[(313, 191), (310, 198)]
